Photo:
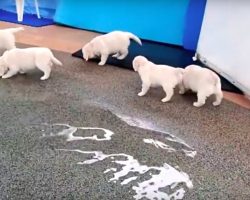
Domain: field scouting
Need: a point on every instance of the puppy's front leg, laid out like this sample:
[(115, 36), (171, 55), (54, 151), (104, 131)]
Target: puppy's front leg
[(144, 90), (104, 58), (10, 73)]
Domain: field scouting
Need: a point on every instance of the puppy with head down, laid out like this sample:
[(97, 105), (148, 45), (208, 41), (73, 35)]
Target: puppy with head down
[(202, 81), (115, 43), (153, 75), (22, 60)]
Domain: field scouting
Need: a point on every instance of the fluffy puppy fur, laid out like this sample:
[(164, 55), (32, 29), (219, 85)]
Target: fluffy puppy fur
[(22, 60), (115, 43), (153, 75), (202, 81), (7, 38)]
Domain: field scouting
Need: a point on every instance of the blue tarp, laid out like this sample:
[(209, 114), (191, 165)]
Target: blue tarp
[(46, 7)]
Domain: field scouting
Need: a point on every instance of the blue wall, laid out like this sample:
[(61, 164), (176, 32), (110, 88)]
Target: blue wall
[(193, 23), (160, 20)]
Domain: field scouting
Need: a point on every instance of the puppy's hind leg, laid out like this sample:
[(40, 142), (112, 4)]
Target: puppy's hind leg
[(182, 89), (218, 98), (116, 55), (144, 90), (169, 93), (46, 69), (123, 53), (201, 99)]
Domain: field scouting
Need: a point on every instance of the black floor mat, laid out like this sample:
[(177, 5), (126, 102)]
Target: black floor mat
[(161, 54)]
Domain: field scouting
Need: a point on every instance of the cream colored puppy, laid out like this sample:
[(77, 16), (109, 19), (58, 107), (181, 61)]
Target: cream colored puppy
[(153, 75), (202, 81), (22, 60), (115, 43), (7, 38)]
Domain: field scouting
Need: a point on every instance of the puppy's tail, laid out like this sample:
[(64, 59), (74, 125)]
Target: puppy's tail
[(217, 83), (55, 60), (134, 37), (14, 30), (218, 92)]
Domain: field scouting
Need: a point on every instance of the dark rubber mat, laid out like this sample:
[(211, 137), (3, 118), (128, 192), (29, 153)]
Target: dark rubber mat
[(161, 54)]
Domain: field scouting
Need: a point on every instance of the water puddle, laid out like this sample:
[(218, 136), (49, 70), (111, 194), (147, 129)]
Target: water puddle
[(151, 188), (159, 144), (68, 133), (150, 182)]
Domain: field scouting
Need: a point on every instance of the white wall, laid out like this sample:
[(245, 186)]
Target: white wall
[(225, 40)]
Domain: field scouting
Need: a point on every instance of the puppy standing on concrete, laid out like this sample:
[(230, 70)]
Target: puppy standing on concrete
[(153, 75), (203, 81), (7, 38), (116, 43), (22, 60)]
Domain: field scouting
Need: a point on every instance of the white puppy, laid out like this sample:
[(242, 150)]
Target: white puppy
[(203, 81), (153, 75), (116, 43), (22, 60), (7, 38)]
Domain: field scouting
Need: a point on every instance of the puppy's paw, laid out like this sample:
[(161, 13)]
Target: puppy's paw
[(43, 78), (197, 104), (101, 63), (164, 100), (181, 92), (115, 55), (120, 58), (140, 94), (4, 76), (216, 103)]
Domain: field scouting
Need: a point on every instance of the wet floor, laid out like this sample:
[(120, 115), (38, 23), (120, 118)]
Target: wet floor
[(84, 134), (47, 159)]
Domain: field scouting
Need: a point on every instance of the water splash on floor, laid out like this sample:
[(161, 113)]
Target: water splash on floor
[(159, 144), (136, 122), (160, 177), (68, 133), (151, 182)]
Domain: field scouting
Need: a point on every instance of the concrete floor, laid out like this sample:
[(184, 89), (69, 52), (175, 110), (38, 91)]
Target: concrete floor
[(152, 150), (38, 160)]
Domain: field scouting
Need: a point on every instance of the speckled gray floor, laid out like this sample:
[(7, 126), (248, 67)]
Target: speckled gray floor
[(84, 94)]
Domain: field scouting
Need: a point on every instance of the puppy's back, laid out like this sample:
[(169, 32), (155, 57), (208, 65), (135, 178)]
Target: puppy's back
[(195, 77)]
